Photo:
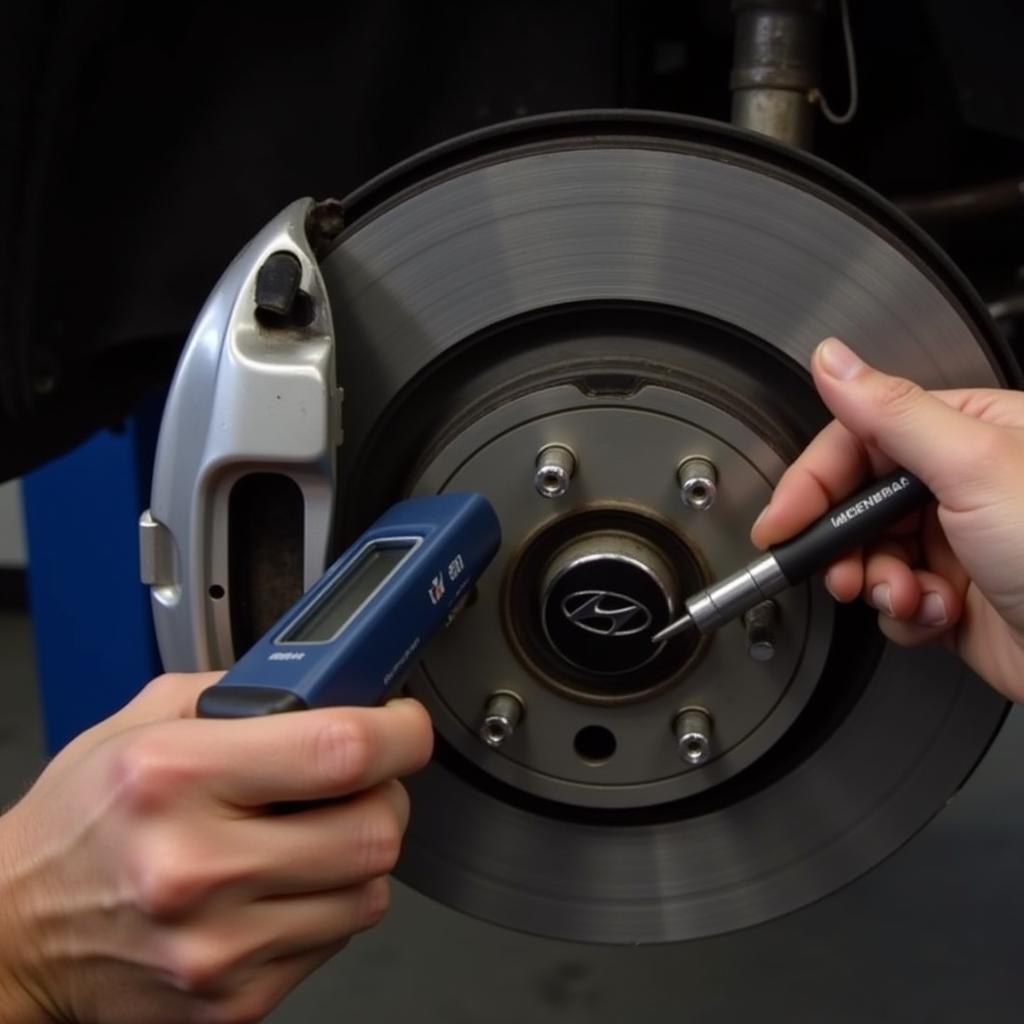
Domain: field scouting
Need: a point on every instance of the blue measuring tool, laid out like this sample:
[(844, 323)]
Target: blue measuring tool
[(352, 636)]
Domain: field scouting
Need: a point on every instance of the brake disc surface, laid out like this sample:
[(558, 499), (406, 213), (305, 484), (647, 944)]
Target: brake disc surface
[(682, 218)]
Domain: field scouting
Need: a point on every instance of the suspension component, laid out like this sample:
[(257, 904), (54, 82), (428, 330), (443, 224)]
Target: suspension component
[(775, 67)]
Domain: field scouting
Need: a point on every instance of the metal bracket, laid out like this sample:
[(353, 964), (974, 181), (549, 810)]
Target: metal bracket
[(249, 395)]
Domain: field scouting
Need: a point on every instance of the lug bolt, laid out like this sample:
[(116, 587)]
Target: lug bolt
[(501, 716), (692, 728), (555, 467), (760, 625), (698, 483)]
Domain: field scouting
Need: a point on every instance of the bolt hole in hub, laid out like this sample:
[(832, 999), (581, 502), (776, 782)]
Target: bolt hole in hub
[(594, 744)]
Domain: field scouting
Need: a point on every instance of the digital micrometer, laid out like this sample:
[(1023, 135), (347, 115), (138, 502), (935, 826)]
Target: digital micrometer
[(350, 639)]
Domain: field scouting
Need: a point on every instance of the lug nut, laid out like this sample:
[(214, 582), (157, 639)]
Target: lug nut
[(760, 625), (555, 467), (693, 735), (698, 483), (501, 716)]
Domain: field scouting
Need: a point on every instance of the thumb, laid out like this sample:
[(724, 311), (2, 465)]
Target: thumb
[(915, 429)]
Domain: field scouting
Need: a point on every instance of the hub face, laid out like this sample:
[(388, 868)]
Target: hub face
[(563, 618)]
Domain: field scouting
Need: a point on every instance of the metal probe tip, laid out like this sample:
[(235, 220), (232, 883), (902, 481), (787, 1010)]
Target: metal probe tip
[(681, 625)]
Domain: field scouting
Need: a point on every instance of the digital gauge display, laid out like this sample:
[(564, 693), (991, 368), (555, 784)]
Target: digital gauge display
[(336, 608)]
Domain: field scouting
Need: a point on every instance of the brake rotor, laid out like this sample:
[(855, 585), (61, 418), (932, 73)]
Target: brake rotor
[(640, 290)]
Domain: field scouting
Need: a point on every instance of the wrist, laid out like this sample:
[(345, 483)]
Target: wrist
[(20, 1003)]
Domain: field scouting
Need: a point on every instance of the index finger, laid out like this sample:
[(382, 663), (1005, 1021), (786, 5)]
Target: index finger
[(828, 470), (836, 461), (321, 754)]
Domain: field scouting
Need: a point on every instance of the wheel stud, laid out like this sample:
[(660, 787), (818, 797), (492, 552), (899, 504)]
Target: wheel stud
[(698, 483), (554, 469), (760, 625), (501, 716), (692, 729)]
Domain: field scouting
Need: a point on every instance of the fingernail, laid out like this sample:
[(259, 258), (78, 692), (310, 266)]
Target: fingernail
[(839, 361), (932, 611), (881, 597)]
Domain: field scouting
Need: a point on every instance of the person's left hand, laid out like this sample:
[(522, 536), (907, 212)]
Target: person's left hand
[(149, 876)]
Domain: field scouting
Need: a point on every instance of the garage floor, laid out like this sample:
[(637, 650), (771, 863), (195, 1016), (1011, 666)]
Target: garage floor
[(931, 936)]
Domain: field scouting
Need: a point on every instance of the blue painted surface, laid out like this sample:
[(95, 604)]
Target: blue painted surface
[(95, 645), (447, 540)]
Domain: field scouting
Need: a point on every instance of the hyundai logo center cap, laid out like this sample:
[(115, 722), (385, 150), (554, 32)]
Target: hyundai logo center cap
[(602, 598)]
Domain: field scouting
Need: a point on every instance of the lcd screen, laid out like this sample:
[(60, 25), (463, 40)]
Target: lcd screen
[(334, 610)]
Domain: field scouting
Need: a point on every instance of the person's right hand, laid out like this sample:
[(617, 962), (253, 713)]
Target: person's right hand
[(954, 574), (148, 876)]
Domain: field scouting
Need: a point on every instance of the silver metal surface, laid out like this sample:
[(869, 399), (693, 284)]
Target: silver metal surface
[(692, 729), (728, 599), (554, 469), (502, 715), (782, 114), (698, 483), (759, 623), (157, 566), (722, 602), (244, 399)]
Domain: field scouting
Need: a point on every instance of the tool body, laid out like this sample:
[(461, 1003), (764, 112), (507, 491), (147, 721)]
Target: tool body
[(856, 521), (350, 638)]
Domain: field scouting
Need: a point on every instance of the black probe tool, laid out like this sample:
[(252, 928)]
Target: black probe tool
[(860, 519)]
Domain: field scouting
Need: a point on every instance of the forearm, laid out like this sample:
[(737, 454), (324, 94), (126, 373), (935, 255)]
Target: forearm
[(18, 1003)]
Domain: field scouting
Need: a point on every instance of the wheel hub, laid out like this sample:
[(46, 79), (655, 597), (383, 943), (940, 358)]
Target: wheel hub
[(619, 541)]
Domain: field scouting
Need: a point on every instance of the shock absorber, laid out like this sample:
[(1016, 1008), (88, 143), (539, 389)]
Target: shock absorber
[(775, 67)]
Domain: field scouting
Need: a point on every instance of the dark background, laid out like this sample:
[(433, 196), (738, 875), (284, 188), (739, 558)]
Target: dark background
[(145, 144)]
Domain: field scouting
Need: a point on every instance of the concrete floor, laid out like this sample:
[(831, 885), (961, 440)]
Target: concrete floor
[(930, 937)]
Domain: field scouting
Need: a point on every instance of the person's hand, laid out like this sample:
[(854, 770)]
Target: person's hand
[(146, 877), (954, 573)]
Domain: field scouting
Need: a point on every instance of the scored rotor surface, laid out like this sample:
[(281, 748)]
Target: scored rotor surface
[(749, 243)]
